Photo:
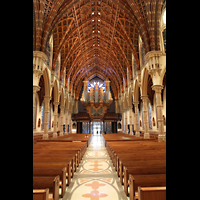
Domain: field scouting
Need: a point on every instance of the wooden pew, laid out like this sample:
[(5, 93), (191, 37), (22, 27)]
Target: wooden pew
[(57, 146), (57, 159), (153, 180), (138, 156), (124, 137), (53, 172), (41, 194), (141, 170), (60, 166), (51, 182), (151, 193), (52, 160), (70, 138), (59, 153), (81, 146), (148, 163)]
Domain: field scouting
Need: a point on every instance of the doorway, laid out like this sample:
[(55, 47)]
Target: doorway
[(96, 127)]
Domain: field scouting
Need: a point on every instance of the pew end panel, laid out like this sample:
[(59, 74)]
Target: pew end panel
[(131, 187), (117, 166), (69, 173), (151, 193), (121, 172), (56, 188), (64, 170), (41, 194), (126, 182)]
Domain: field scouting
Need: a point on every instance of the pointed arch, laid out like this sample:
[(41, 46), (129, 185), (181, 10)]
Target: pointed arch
[(62, 103), (144, 82), (47, 82), (136, 91), (130, 98), (56, 91)]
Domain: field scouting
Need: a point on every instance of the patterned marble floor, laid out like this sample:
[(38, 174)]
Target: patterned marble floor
[(95, 178)]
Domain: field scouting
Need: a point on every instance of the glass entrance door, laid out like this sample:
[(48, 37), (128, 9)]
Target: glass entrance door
[(96, 127)]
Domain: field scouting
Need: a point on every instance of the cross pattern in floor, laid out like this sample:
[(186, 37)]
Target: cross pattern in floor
[(95, 178)]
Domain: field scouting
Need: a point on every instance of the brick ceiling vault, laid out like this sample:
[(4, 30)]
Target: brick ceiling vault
[(96, 37)]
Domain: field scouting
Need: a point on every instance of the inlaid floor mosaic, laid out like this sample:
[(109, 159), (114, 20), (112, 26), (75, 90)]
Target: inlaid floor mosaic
[(95, 178)]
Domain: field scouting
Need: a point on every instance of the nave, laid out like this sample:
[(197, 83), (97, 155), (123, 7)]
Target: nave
[(96, 178)]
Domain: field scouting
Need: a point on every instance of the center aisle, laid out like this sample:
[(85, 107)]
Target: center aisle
[(95, 179)]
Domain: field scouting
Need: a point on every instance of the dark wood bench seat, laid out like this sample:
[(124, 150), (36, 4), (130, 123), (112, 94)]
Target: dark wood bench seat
[(139, 163), (41, 194), (79, 146), (153, 180), (143, 159), (53, 172), (141, 170), (60, 165), (70, 138), (134, 157), (57, 160), (51, 182), (151, 193)]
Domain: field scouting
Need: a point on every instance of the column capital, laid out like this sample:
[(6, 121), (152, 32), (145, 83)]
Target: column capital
[(55, 103), (62, 107), (47, 98), (136, 102), (157, 88), (144, 97), (129, 107), (36, 88)]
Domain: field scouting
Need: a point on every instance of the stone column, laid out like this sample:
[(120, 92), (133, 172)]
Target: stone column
[(123, 128), (137, 134), (145, 110), (70, 123), (66, 121), (55, 119), (158, 89), (35, 90), (89, 126), (131, 121), (46, 121), (61, 119), (126, 128)]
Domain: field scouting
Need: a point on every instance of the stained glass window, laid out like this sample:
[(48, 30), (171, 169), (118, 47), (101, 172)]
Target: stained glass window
[(164, 39), (150, 115), (57, 68), (164, 17), (48, 53)]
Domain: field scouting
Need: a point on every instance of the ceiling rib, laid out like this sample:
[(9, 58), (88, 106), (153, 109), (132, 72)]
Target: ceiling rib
[(79, 36), (116, 20)]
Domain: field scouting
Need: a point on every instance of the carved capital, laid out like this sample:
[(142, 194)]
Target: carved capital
[(56, 103), (36, 88), (136, 103), (157, 88), (47, 98)]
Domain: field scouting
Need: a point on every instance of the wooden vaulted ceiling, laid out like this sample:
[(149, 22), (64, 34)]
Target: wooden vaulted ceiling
[(96, 37)]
